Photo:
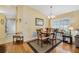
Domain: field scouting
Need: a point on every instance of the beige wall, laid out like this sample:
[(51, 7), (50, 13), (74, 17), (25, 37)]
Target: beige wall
[(2, 29), (2, 26), (27, 25)]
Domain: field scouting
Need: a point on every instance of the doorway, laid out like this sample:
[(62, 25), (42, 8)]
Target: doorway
[(10, 26)]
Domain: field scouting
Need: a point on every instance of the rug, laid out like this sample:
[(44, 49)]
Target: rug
[(46, 47)]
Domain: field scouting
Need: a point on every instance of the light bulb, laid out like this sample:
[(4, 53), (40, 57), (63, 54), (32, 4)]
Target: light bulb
[(52, 16), (49, 17)]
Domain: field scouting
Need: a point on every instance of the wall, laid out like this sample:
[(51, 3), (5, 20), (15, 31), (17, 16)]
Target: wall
[(27, 24), (6, 12), (2, 28)]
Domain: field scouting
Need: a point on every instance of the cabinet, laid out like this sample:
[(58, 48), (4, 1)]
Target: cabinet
[(77, 40), (70, 39)]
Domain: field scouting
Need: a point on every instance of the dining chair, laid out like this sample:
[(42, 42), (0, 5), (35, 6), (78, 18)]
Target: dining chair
[(52, 38), (41, 37)]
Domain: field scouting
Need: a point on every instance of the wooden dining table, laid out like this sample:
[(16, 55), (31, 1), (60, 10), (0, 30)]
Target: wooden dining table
[(48, 34)]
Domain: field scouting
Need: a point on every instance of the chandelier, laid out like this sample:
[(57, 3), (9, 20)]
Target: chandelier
[(51, 16)]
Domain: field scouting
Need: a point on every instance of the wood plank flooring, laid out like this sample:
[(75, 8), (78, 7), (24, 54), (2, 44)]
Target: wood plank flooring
[(25, 48), (18, 48), (65, 48)]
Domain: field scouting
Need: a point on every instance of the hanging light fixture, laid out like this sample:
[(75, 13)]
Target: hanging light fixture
[(51, 16)]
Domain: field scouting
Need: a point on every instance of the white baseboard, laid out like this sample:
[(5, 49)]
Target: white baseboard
[(11, 40)]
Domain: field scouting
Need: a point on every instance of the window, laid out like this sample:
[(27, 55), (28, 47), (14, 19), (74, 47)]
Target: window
[(61, 24)]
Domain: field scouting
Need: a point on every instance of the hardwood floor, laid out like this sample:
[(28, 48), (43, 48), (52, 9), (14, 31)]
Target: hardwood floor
[(65, 48), (25, 48), (18, 48)]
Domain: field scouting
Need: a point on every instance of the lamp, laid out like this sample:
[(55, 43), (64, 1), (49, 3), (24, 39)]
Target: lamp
[(70, 28), (51, 16)]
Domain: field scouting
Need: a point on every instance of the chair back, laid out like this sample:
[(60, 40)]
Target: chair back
[(38, 33)]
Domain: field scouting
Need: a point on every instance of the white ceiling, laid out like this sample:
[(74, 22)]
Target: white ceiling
[(8, 10), (56, 9)]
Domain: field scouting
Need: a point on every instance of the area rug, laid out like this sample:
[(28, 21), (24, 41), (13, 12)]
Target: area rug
[(46, 47)]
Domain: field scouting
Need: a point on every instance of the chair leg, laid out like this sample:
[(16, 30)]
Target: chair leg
[(55, 40), (13, 40), (38, 41), (52, 42), (41, 44)]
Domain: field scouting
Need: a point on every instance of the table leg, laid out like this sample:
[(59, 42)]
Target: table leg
[(22, 39), (13, 40), (70, 40), (41, 43)]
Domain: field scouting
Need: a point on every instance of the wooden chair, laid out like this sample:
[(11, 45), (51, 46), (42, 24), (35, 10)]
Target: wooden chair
[(41, 37), (52, 35), (52, 38)]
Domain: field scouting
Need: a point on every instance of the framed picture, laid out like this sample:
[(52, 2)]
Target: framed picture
[(39, 22)]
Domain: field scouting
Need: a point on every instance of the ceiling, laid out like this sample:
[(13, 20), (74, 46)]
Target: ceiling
[(8, 10), (56, 9)]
